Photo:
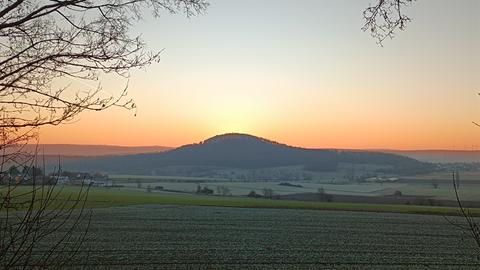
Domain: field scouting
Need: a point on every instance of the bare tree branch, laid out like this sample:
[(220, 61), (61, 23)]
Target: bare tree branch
[(46, 48), (385, 17), (471, 226)]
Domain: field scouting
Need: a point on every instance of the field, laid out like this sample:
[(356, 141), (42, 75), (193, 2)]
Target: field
[(437, 186), (468, 191), (447, 176), (135, 229), (193, 237), (243, 188), (99, 197)]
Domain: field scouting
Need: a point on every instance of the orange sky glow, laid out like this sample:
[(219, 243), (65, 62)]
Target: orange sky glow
[(302, 75)]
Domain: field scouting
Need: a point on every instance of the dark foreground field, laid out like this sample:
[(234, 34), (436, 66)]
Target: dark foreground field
[(194, 237)]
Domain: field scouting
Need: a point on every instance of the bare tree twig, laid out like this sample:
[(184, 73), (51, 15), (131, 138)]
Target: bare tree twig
[(385, 17), (46, 48)]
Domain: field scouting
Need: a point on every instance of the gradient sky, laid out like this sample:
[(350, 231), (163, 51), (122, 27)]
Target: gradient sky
[(301, 73)]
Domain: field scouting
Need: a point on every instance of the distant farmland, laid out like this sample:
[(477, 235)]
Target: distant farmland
[(110, 197), (192, 237), (438, 186)]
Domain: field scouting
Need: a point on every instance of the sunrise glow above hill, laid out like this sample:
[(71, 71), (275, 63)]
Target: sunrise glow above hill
[(302, 74)]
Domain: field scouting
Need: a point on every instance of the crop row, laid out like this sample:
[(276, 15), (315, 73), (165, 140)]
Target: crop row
[(189, 237)]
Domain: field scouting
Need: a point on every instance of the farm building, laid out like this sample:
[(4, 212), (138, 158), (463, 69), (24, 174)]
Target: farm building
[(98, 181)]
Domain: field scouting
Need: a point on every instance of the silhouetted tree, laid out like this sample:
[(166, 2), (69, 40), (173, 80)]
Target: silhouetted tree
[(41, 227), (45, 46), (223, 190), (384, 17), (471, 227), (253, 194), (267, 193), (323, 195), (13, 170), (382, 20), (32, 171), (48, 44), (205, 190)]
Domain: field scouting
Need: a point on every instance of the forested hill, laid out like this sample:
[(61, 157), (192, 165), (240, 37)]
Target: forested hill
[(244, 151)]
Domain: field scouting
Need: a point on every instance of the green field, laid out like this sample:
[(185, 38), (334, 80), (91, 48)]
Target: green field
[(243, 188), (420, 185), (194, 237), (109, 197), (135, 229)]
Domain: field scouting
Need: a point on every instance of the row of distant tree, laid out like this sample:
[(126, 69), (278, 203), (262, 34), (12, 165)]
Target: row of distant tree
[(27, 175), (24, 171)]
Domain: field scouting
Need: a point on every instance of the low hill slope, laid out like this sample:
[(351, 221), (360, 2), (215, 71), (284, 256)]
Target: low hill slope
[(248, 152)]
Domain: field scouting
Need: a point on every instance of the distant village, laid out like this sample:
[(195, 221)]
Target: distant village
[(32, 175)]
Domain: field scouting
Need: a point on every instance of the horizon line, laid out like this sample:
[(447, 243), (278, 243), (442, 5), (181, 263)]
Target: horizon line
[(324, 148)]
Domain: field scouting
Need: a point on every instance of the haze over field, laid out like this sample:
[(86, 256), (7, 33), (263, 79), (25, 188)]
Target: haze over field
[(440, 156), (92, 150)]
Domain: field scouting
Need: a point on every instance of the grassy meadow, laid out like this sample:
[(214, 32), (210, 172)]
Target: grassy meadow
[(101, 197)]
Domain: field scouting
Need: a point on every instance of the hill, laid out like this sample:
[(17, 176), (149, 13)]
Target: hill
[(246, 152)]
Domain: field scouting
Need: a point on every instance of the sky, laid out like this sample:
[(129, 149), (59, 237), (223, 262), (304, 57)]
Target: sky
[(299, 72)]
